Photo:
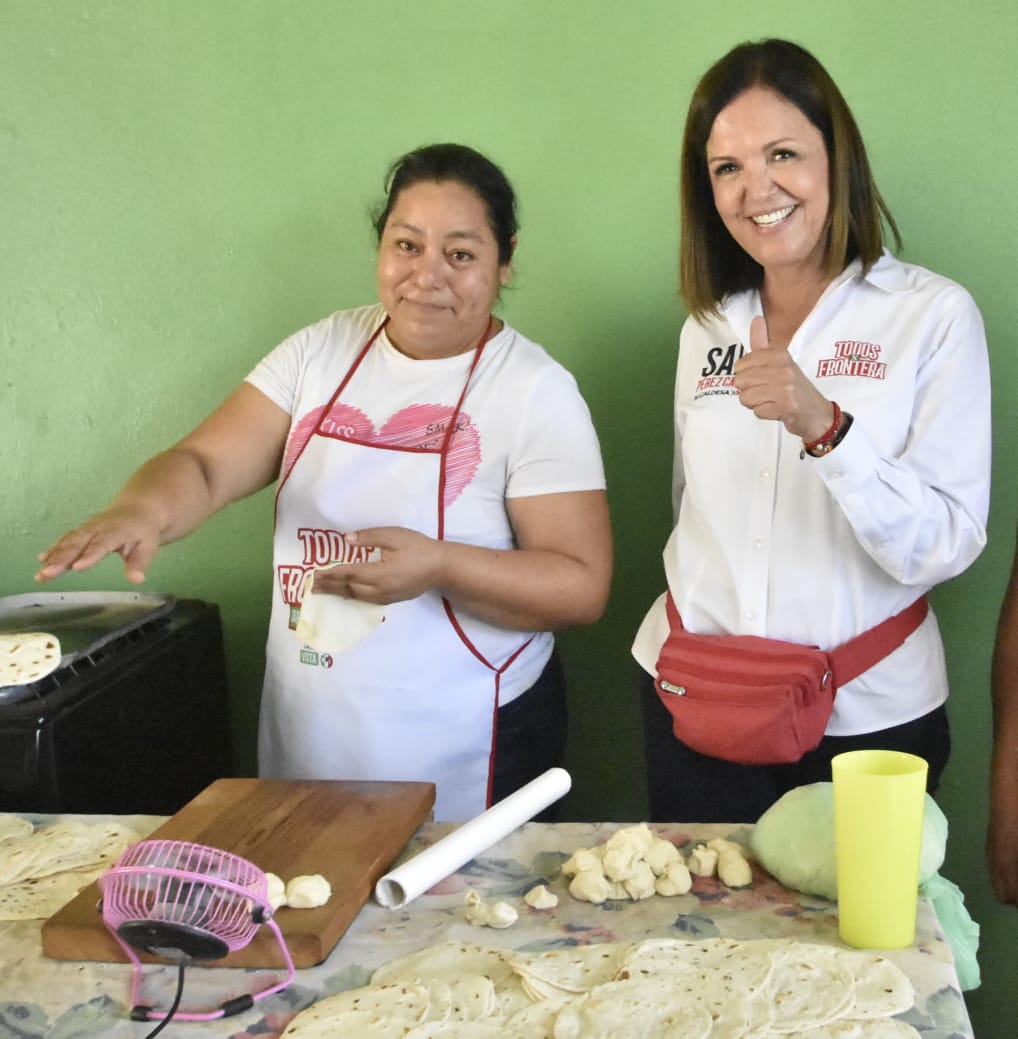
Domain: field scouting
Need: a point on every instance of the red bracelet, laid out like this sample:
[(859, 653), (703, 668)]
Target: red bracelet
[(824, 443)]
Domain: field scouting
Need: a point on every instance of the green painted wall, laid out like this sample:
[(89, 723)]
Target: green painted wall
[(182, 184)]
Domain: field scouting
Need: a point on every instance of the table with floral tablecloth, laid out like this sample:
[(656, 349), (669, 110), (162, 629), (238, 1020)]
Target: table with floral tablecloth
[(40, 997)]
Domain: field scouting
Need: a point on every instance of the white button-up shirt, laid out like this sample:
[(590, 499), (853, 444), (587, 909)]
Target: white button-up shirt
[(817, 550)]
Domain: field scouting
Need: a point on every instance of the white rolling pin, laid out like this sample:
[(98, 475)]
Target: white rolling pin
[(426, 869)]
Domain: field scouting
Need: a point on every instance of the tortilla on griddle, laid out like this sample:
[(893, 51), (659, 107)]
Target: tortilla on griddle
[(28, 656)]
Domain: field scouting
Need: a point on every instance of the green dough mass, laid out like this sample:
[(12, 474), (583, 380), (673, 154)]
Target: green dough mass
[(794, 840)]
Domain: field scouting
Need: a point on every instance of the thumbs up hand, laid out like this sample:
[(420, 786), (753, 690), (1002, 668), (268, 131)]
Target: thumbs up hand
[(758, 337), (775, 388)]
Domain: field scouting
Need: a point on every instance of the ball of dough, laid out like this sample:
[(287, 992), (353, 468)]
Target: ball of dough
[(276, 892), (489, 914), (676, 880), (640, 883), (703, 861), (638, 836), (734, 870), (539, 897), (308, 891), (590, 886), (660, 855), (583, 859)]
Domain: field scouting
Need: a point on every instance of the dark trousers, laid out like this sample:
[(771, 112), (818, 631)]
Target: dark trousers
[(531, 735), (689, 787)]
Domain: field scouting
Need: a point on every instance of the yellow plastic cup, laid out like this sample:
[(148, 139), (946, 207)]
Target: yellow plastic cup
[(879, 800)]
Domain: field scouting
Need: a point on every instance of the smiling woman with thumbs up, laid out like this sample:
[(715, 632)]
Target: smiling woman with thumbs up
[(832, 456)]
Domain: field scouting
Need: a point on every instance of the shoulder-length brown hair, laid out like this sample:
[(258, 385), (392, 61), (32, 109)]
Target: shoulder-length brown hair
[(712, 264)]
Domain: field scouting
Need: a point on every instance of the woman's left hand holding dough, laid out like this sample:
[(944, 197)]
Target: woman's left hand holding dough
[(409, 566), (774, 387), (558, 574)]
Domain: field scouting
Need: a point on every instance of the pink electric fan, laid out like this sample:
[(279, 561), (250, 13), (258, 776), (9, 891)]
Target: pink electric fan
[(186, 903)]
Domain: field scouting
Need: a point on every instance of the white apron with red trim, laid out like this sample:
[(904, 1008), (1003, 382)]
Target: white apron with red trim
[(416, 699)]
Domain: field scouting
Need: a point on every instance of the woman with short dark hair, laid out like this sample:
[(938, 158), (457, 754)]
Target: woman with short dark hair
[(832, 441)]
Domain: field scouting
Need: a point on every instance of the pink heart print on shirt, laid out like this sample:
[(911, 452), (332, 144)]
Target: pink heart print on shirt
[(418, 425)]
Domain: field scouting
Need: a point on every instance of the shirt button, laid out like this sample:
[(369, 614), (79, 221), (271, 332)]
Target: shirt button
[(751, 615), (758, 544), (765, 474)]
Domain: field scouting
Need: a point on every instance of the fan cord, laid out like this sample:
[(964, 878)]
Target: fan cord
[(175, 1005)]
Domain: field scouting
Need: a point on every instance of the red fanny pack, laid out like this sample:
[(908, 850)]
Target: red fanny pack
[(758, 701)]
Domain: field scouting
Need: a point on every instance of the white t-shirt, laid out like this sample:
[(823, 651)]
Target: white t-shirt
[(524, 428), (817, 550)]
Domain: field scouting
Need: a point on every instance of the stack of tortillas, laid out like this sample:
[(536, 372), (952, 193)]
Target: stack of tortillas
[(715, 989), (43, 869), (27, 656)]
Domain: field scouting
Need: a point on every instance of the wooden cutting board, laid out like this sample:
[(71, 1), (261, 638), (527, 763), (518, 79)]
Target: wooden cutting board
[(350, 832)]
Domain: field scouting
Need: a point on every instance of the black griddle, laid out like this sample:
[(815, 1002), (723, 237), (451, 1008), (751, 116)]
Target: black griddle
[(84, 622)]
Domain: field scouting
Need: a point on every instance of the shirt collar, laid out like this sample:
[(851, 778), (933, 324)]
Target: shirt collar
[(887, 273)]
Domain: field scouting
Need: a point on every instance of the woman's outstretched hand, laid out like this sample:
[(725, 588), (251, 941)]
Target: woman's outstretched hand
[(124, 529)]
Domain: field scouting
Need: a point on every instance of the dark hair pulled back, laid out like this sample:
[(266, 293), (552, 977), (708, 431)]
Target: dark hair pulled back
[(456, 162)]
